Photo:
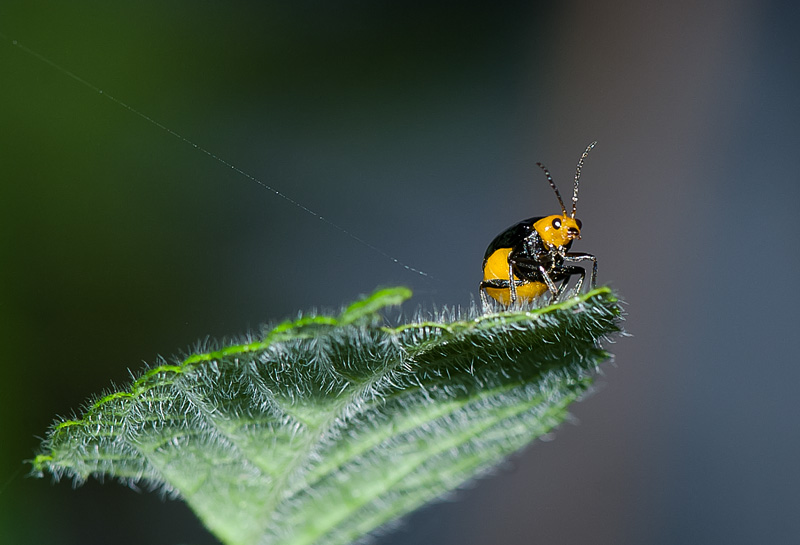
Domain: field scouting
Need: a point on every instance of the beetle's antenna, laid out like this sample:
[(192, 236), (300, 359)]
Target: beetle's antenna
[(553, 185), (578, 177)]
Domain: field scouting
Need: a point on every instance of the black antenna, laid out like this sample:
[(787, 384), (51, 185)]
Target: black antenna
[(578, 177), (553, 185)]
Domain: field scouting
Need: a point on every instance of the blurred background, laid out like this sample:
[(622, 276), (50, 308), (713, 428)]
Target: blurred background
[(416, 127)]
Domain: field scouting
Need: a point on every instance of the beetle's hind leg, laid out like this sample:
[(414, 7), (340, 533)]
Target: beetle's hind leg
[(484, 298), (496, 283)]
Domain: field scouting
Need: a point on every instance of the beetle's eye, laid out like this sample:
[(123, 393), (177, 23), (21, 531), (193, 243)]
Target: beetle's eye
[(556, 223), (580, 225)]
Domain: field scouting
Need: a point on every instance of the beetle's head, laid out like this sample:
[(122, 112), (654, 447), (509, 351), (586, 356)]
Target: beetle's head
[(558, 230)]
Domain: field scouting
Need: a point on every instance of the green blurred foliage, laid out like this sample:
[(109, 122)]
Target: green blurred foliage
[(119, 241)]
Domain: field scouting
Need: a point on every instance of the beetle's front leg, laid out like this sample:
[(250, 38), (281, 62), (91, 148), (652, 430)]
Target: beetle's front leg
[(574, 257)]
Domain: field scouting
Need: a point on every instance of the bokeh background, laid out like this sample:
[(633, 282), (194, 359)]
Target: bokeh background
[(415, 126)]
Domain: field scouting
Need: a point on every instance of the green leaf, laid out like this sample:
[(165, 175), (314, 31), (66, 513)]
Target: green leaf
[(322, 429)]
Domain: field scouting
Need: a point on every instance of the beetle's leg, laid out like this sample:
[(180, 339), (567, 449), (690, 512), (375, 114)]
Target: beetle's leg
[(562, 287), (498, 284), (532, 265), (512, 288), (550, 284), (575, 257), (484, 297), (573, 270)]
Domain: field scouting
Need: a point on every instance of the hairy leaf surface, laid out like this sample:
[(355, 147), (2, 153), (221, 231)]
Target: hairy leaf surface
[(321, 429)]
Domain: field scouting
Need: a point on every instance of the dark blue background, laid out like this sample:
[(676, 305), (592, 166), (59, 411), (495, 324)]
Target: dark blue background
[(415, 126)]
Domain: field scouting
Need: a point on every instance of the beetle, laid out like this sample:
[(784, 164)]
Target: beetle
[(531, 257)]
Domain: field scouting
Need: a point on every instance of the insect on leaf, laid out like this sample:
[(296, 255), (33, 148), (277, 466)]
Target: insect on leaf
[(321, 429)]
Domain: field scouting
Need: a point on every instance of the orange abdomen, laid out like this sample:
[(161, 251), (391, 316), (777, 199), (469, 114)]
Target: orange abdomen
[(497, 269)]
